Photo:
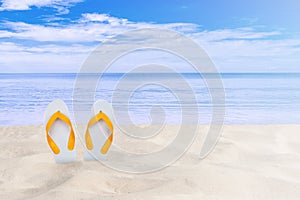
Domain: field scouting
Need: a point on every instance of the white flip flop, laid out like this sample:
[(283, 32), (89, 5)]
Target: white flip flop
[(99, 131), (59, 132)]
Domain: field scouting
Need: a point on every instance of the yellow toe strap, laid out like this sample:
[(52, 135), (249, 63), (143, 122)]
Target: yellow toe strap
[(88, 139), (64, 118)]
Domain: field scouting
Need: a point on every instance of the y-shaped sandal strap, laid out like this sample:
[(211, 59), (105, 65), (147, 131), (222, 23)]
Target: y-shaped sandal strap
[(64, 118), (88, 139)]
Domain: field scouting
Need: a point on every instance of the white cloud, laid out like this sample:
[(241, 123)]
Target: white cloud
[(43, 58), (250, 50), (90, 28), (239, 33), (64, 47), (94, 17), (60, 5)]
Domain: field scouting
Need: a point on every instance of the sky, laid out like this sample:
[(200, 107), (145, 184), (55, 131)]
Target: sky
[(239, 36)]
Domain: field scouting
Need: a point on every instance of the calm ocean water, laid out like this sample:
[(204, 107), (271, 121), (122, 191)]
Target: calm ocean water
[(250, 98)]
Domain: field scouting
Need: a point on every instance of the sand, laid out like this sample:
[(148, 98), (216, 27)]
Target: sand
[(249, 162)]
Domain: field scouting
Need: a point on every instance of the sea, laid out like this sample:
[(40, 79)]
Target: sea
[(250, 98)]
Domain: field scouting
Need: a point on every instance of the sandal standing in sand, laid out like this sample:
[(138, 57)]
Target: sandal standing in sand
[(59, 132), (99, 131)]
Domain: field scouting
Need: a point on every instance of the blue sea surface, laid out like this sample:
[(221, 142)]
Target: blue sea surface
[(251, 98)]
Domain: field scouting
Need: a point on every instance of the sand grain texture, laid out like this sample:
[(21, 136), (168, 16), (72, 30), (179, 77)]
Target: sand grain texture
[(249, 162)]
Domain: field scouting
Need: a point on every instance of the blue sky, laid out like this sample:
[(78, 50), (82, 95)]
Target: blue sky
[(57, 35)]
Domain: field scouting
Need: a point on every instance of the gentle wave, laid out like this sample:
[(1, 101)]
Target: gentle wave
[(251, 98)]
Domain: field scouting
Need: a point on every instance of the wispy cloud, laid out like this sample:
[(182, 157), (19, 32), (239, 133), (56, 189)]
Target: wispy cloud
[(90, 28), (61, 5), (58, 47), (248, 33)]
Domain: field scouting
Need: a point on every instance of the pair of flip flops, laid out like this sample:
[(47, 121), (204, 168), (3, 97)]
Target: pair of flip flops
[(60, 133)]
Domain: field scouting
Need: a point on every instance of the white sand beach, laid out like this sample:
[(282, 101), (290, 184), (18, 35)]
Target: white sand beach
[(249, 162)]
